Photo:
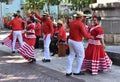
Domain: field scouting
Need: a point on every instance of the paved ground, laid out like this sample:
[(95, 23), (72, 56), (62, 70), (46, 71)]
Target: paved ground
[(59, 64), (14, 69)]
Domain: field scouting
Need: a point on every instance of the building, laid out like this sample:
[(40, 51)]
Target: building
[(109, 10), (9, 7)]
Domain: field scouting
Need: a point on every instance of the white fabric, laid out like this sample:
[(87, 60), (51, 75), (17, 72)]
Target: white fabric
[(95, 42), (76, 48), (17, 35), (47, 41)]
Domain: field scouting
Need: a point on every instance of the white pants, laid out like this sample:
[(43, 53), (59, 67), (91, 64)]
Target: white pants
[(17, 35), (47, 41), (76, 48)]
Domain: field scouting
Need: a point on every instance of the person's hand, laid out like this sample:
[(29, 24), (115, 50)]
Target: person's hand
[(92, 37)]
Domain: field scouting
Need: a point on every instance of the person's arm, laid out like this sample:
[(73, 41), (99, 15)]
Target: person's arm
[(102, 42), (36, 15), (84, 32), (9, 24), (100, 36)]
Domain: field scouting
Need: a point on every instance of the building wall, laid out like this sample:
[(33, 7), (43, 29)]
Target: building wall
[(107, 1), (10, 8), (109, 11)]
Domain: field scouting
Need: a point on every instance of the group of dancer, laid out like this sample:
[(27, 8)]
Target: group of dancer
[(93, 59)]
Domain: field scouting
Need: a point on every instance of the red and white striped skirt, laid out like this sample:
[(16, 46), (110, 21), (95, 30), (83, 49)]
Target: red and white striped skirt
[(96, 59), (8, 42), (27, 50)]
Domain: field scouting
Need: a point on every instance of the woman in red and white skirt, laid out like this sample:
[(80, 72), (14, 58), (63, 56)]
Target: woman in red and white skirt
[(96, 58), (27, 50)]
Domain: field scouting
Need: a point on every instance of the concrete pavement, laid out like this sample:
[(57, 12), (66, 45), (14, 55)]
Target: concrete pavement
[(14, 69)]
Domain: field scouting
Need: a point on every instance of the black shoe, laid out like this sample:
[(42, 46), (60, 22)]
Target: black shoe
[(45, 60), (81, 73), (32, 60), (13, 51), (100, 70), (68, 74), (53, 54)]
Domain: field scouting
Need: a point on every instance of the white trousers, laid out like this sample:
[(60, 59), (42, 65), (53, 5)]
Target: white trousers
[(17, 35), (76, 48), (47, 41)]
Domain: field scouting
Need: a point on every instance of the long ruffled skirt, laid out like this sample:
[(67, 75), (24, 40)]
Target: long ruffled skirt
[(96, 59)]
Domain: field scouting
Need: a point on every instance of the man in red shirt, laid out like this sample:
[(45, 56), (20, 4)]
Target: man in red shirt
[(17, 28), (47, 28), (77, 31)]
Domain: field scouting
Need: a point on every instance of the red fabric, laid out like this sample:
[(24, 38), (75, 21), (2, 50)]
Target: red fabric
[(62, 33), (96, 31), (77, 30), (30, 31), (31, 26), (95, 56), (16, 24), (47, 25), (8, 41), (56, 29), (38, 29), (30, 41), (27, 50)]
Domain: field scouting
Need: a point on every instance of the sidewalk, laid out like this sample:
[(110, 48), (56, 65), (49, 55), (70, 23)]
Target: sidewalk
[(59, 64), (15, 69)]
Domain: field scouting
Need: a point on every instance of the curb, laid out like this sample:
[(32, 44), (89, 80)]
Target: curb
[(115, 57)]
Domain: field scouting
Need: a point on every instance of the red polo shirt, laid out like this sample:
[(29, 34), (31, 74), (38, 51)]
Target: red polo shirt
[(62, 33), (77, 30), (47, 25), (38, 29), (16, 24)]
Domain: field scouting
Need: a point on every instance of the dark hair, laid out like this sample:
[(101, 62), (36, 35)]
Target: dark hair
[(15, 15), (18, 11), (98, 18), (32, 19)]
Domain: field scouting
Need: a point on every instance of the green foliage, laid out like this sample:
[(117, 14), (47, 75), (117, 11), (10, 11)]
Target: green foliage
[(3, 0), (80, 4), (37, 5)]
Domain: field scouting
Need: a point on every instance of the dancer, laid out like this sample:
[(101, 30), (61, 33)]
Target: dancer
[(15, 39), (96, 58), (27, 50), (77, 31), (48, 31)]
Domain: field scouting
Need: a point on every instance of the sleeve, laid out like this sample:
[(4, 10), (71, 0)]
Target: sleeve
[(9, 23), (84, 32), (39, 17), (100, 33)]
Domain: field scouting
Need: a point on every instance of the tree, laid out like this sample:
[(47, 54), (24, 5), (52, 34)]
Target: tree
[(37, 5), (3, 0), (80, 4)]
